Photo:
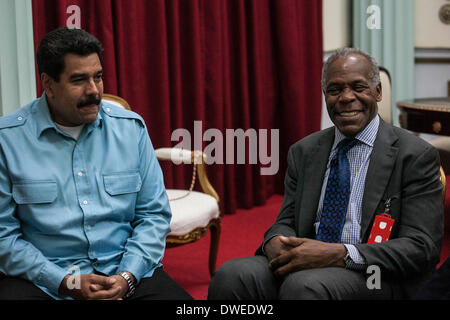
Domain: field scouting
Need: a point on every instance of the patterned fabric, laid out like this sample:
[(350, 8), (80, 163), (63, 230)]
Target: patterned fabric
[(359, 159), (337, 194)]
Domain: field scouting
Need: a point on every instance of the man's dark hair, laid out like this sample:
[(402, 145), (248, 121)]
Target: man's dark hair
[(57, 43)]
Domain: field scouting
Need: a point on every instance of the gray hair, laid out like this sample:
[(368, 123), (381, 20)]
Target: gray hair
[(374, 75)]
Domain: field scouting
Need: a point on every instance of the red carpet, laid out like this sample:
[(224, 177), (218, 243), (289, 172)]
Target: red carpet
[(242, 233)]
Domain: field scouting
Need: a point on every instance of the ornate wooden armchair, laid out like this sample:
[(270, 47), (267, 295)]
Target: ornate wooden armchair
[(193, 212)]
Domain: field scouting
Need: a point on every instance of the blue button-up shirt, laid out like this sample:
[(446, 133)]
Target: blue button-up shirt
[(96, 203)]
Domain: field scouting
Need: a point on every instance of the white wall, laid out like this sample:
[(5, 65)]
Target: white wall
[(432, 78), (337, 21), (430, 32)]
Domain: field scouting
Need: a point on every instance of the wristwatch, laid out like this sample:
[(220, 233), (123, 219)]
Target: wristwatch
[(347, 259), (131, 285)]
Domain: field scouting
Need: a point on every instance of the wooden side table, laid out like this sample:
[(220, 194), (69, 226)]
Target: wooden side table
[(427, 115)]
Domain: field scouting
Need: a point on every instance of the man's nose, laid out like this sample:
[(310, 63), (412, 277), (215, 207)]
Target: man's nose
[(347, 95), (92, 88)]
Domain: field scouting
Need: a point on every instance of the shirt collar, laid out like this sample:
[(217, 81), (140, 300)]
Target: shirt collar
[(366, 136), (44, 121)]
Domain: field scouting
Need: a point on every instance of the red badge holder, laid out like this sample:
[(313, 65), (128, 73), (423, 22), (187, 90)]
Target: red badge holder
[(382, 226)]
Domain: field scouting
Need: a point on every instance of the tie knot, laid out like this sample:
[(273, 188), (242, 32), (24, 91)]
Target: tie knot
[(346, 145)]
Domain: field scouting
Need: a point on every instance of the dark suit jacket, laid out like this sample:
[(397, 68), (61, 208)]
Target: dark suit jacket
[(402, 167)]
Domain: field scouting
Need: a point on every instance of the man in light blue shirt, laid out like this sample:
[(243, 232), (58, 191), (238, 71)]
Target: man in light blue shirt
[(83, 208)]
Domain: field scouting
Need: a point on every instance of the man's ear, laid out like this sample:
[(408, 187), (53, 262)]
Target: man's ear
[(47, 84), (379, 92)]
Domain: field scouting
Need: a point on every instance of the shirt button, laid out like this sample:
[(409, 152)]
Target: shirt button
[(80, 174), (85, 202), (89, 228), (20, 118), (108, 109)]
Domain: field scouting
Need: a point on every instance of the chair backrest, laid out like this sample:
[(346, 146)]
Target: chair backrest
[(116, 100), (197, 159), (385, 105)]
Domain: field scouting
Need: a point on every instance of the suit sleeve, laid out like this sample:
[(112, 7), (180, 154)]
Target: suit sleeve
[(416, 247), (285, 222)]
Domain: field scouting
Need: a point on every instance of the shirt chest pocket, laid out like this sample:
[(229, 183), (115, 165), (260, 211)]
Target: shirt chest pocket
[(122, 183), (34, 192)]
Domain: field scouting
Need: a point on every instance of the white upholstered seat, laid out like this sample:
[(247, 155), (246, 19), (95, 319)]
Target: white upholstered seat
[(197, 208), (193, 212)]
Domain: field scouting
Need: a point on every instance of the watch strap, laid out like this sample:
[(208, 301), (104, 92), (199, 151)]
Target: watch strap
[(347, 259), (131, 284)]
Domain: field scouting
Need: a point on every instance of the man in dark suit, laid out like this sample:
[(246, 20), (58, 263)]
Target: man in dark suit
[(338, 180)]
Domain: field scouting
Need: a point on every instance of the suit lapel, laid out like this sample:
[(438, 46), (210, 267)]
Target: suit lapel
[(382, 160), (312, 186)]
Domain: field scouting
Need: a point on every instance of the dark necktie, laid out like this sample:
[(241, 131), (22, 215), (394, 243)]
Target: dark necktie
[(337, 194)]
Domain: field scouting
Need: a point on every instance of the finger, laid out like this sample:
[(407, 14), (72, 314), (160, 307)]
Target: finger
[(279, 261), (106, 294), (102, 281), (95, 287), (292, 241), (284, 270)]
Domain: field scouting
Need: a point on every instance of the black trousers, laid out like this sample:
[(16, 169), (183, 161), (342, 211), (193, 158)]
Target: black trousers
[(250, 278), (160, 286)]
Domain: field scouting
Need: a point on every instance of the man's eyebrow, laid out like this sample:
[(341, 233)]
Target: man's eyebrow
[(360, 81), (78, 75), (84, 75), (356, 81), (334, 83)]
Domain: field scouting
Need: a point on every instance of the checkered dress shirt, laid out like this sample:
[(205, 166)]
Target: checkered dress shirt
[(359, 158)]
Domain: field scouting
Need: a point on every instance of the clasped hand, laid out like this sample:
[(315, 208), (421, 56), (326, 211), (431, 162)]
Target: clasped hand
[(291, 254), (96, 287)]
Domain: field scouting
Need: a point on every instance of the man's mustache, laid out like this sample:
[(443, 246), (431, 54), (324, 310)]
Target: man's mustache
[(89, 101)]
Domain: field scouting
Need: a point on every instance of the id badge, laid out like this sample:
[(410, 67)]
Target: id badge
[(382, 226), (381, 229)]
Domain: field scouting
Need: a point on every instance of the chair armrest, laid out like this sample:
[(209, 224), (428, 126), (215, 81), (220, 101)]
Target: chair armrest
[(178, 156)]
